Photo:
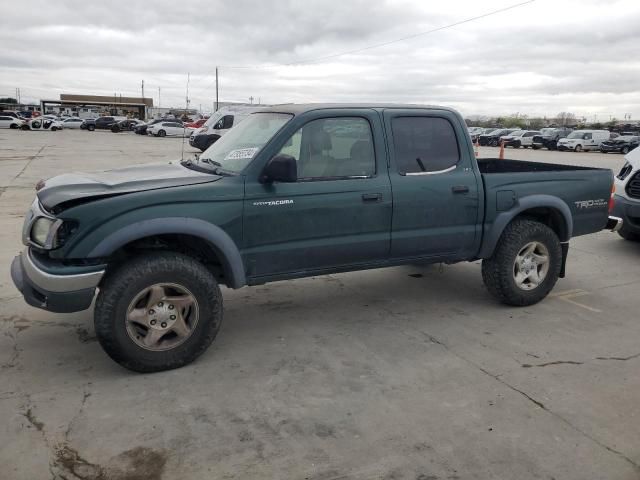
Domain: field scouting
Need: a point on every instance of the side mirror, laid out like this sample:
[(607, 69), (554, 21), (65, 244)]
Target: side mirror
[(281, 168)]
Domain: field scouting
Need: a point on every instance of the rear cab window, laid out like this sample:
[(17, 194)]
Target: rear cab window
[(424, 145)]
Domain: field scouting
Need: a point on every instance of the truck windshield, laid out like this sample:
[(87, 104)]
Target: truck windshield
[(235, 150)]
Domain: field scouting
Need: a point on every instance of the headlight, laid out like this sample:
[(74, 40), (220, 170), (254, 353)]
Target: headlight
[(40, 230)]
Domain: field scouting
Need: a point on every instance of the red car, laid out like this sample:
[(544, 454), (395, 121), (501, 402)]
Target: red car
[(196, 124)]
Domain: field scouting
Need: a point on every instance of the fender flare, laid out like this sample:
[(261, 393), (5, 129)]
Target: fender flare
[(219, 240), (493, 233)]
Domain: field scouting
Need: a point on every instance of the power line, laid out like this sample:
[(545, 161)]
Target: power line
[(372, 46), (390, 42)]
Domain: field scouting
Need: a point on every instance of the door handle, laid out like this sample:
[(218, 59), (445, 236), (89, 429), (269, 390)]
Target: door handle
[(371, 197), (460, 189)]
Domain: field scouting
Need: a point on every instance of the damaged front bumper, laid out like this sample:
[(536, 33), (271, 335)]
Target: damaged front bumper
[(52, 286)]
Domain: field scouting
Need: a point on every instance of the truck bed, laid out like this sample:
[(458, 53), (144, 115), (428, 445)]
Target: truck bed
[(584, 190), (495, 165)]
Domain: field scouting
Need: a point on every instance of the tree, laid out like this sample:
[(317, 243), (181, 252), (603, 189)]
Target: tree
[(565, 118), (8, 100)]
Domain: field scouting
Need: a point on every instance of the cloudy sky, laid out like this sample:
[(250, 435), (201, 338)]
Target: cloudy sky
[(540, 58)]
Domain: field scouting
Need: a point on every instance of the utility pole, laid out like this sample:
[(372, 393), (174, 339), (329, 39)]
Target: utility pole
[(142, 88), (216, 109), (158, 97)]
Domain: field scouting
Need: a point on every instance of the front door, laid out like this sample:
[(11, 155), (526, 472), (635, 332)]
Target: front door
[(338, 212), (435, 189)]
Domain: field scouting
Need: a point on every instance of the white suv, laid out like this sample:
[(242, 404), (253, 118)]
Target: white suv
[(627, 196)]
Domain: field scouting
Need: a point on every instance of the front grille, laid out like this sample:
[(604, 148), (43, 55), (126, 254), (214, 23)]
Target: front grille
[(633, 187)]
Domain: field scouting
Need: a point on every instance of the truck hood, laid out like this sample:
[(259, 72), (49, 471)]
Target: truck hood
[(136, 178)]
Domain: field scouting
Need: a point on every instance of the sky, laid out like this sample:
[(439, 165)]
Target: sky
[(538, 59)]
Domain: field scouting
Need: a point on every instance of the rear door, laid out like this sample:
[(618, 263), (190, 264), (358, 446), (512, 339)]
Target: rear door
[(338, 213), (436, 192)]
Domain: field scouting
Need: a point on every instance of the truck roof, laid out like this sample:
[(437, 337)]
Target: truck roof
[(298, 108)]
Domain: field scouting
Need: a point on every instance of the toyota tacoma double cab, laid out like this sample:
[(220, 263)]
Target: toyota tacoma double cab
[(295, 191)]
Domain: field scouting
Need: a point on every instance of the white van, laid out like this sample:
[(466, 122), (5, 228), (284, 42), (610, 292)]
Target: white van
[(219, 123), (580, 140)]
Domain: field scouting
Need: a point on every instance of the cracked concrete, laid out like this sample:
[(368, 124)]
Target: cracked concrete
[(404, 373)]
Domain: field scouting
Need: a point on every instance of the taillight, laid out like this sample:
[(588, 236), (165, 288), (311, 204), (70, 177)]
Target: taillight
[(611, 200)]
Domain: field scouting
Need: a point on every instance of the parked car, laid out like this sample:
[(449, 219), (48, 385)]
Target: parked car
[(627, 197), (86, 122), (141, 129), (41, 123), (519, 138), (622, 144), (128, 125), (169, 129), (548, 137), (72, 122), (218, 124), (580, 140), (156, 240), (10, 113), (7, 121), (492, 139), (197, 124), (103, 123)]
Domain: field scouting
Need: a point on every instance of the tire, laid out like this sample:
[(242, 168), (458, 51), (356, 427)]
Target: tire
[(499, 271), (535, 147), (627, 234), (578, 148), (162, 133), (24, 127), (517, 145), (624, 150), (115, 129), (123, 286), (91, 128), (494, 143), (53, 129), (13, 126)]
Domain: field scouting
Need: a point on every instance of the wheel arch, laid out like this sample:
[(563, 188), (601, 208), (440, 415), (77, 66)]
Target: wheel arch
[(547, 209), (215, 242)]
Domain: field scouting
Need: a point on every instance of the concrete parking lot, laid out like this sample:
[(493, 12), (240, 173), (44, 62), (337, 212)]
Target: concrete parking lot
[(401, 373)]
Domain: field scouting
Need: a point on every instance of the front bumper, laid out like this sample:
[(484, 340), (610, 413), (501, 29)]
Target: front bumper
[(628, 211), (44, 286)]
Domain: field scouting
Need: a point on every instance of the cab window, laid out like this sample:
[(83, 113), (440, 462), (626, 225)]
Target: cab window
[(424, 145), (333, 148)]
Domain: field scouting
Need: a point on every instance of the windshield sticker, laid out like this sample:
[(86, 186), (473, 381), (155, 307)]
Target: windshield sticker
[(241, 153)]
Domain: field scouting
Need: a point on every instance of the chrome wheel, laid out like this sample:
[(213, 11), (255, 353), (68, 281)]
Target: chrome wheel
[(531, 266), (162, 316)]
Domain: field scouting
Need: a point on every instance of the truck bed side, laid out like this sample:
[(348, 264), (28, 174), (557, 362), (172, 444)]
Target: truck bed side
[(572, 200)]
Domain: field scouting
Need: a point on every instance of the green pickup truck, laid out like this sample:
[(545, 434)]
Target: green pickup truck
[(295, 191)]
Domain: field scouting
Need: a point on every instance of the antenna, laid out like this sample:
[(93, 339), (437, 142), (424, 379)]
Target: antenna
[(185, 114)]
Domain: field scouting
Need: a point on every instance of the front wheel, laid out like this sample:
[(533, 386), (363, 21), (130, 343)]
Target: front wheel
[(494, 143), (625, 150), (24, 127), (578, 148), (158, 312), (91, 128), (162, 133), (13, 126), (525, 265)]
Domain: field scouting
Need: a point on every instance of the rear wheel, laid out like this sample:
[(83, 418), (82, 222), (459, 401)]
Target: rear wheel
[(13, 126), (627, 234), (158, 312), (162, 133), (525, 265), (91, 128), (494, 143), (53, 129), (625, 150), (24, 127)]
